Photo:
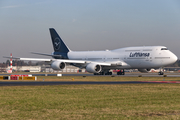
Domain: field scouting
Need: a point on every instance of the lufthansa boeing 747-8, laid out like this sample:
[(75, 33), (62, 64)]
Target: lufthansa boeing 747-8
[(142, 58)]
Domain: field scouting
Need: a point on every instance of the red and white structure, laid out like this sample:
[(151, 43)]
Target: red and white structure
[(11, 63), (10, 71)]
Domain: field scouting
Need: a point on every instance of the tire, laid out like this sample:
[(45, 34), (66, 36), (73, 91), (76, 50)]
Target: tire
[(161, 73)]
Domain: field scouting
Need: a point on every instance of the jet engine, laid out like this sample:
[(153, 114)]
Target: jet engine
[(144, 70), (58, 65), (93, 68)]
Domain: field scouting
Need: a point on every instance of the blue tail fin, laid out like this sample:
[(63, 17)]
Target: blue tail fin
[(57, 42)]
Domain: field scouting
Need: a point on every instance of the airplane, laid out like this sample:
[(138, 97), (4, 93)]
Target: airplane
[(143, 58)]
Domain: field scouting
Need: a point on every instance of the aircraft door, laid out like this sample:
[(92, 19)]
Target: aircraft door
[(160, 55)]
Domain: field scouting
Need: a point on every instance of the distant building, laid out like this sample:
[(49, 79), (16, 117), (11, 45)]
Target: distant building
[(44, 68), (26, 68), (68, 68), (2, 69)]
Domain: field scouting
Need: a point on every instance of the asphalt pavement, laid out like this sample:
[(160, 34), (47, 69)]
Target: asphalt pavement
[(40, 83)]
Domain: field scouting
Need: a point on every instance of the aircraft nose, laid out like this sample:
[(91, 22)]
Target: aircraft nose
[(174, 58)]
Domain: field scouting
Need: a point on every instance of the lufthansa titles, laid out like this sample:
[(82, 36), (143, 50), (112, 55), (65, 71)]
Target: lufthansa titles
[(139, 54)]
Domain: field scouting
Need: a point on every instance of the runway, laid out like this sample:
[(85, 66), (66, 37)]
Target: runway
[(40, 83), (126, 75), (130, 75)]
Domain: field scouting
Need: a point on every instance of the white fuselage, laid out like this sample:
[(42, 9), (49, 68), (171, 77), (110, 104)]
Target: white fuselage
[(130, 57)]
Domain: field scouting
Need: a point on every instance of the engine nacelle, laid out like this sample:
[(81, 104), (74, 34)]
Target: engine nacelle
[(144, 70), (93, 68), (57, 65)]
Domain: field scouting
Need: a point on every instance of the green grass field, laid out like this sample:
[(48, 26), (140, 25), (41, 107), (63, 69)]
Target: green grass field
[(127, 101)]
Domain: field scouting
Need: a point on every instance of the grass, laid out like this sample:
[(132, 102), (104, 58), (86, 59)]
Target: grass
[(129, 101)]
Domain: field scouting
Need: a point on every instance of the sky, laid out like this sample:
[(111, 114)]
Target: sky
[(87, 25)]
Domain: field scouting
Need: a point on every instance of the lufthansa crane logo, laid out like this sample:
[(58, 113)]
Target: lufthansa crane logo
[(57, 43)]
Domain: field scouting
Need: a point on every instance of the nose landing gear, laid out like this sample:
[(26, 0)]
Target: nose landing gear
[(161, 72)]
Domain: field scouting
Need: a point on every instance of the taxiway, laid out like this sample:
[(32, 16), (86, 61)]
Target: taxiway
[(40, 83)]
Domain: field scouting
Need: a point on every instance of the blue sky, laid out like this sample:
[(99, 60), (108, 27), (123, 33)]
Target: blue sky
[(87, 24)]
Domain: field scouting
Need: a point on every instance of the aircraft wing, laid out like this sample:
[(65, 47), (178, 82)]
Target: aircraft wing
[(66, 61), (83, 62), (52, 60), (36, 59), (33, 59), (61, 60)]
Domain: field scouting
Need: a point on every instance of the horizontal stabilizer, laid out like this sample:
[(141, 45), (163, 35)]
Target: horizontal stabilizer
[(59, 56)]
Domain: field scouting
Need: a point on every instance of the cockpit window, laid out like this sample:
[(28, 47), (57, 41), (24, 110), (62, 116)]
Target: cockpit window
[(164, 48)]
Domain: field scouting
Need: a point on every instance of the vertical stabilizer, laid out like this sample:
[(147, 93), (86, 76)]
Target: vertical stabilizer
[(58, 44)]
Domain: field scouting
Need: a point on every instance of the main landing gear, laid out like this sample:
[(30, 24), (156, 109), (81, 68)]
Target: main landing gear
[(108, 73), (121, 72), (103, 73)]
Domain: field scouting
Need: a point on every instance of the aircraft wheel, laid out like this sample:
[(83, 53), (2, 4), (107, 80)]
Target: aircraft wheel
[(161, 73), (101, 73), (119, 73), (107, 73), (123, 73)]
